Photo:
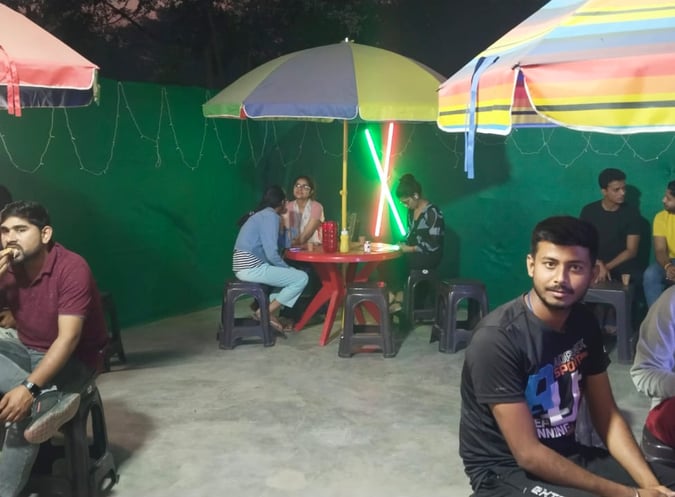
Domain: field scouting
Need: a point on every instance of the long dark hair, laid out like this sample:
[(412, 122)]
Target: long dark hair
[(273, 197)]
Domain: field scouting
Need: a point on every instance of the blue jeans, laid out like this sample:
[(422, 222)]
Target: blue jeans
[(654, 282), (16, 362), (287, 281)]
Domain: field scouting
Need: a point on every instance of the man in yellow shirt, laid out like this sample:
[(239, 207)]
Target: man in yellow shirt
[(662, 271)]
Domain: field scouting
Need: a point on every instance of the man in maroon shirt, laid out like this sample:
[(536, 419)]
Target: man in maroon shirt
[(52, 301)]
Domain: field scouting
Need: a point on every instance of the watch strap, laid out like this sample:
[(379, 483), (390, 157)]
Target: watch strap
[(34, 389)]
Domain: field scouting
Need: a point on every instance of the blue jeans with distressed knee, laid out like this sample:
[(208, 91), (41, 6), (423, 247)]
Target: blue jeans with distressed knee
[(16, 363)]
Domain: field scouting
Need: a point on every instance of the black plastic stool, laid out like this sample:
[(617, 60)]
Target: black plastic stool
[(114, 347), (355, 336), (450, 332), (655, 450), (234, 330), (89, 468), (417, 276), (621, 298)]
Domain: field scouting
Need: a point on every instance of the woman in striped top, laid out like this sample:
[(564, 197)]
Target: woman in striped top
[(256, 255)]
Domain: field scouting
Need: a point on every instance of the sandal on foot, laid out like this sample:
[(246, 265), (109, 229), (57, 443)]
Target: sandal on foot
[(287, 323), (278, 328)]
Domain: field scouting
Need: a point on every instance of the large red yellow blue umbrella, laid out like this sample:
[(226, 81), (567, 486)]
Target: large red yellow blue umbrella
[(592, 65), (345, 81), (39, 70)]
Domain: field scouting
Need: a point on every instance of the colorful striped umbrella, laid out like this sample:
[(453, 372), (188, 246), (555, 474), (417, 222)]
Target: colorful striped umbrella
[(344, 81), (591, 65), (39, 70)]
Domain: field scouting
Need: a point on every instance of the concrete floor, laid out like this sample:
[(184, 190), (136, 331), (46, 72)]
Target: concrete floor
[(188, 419)]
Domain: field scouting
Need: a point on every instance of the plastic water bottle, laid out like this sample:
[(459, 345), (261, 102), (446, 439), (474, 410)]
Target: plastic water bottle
[(344, 241)]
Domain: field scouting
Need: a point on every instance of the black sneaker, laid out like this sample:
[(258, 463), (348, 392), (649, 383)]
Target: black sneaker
[(50, 411)]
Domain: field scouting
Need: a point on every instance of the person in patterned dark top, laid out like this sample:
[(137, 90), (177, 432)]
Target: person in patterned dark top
[(423, 246), (424, 243)]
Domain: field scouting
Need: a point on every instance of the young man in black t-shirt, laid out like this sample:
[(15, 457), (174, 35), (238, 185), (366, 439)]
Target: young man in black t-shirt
[(528, 365), (618, 226)]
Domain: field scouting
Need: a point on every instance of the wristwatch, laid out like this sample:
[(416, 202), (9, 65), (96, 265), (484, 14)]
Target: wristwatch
[(34, 389)]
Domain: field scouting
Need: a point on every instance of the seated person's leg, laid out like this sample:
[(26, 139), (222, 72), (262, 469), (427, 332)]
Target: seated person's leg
[(514, 482), (639, 306), (423, 291), (17, 456), (661, 422), (394, 273), (314, 284), (291, 283), (653, 282)]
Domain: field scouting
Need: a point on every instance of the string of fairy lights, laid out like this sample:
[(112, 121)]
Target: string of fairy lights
[(262, 139), (617, 144)]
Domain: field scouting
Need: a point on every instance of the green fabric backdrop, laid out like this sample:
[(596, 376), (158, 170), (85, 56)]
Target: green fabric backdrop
[(149, 191)]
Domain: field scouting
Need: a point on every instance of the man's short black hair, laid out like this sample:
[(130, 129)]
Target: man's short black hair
[(31, 211), (610, 174), (671, 188), (566, 231)]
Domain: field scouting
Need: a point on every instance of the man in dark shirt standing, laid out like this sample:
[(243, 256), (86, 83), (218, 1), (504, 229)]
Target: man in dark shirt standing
[(528, 365), (618, 226)]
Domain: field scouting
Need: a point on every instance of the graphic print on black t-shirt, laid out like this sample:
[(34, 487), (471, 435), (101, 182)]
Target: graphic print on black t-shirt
[(555, 415)]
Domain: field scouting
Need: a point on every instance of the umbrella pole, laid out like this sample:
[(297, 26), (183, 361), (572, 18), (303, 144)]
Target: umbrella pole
[(343, 193)]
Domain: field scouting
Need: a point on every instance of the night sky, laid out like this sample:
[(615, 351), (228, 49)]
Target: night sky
[(446, 34)]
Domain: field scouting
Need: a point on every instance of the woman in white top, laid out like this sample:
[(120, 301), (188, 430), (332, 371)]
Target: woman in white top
[(302, 222), (304, 214)]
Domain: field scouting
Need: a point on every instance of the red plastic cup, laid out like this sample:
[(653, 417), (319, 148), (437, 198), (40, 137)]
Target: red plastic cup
[(329, 231)]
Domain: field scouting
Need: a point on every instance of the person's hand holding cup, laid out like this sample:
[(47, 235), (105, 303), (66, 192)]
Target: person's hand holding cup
[(362, 241)]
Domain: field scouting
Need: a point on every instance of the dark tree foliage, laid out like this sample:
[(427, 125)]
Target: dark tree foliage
[(212, 42), (196, 42)]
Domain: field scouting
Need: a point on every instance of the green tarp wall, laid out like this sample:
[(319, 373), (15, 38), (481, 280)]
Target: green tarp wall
[(149, 191)]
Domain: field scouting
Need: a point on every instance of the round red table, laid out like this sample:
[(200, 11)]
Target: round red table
[(333, 281)]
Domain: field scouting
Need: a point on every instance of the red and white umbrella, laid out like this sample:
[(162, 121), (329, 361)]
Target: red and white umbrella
[(39, 70)]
